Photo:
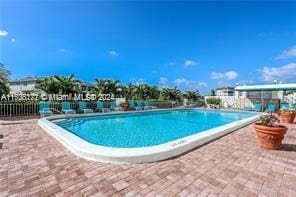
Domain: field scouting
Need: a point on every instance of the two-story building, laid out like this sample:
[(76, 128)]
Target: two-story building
[(225, 91), (28, 85), (25, 85)]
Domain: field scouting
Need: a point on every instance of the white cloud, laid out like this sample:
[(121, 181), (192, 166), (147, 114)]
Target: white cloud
[(229, 75), (186, 84), (62, 50), (3, 32), (137, 81), (189, 63), (12, 41), (281, 73), (216, 75), (289, 53), (172, 63), (163, 82), (180, 82), (249, 81), (202, 84), (113, 53)]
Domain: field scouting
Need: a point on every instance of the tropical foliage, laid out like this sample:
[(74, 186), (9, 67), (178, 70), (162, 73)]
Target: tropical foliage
[(269, 120), (213, 101), (213, 92), (108, 86), (192, 95), (65, 85), (171, 94), (145, 91), (59, 84), (4, 75), (48, 85), (153, 92)]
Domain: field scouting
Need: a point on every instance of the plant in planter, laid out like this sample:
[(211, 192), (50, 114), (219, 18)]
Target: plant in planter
[(213, 102), (288, 115), (124, 105), (269, 133)]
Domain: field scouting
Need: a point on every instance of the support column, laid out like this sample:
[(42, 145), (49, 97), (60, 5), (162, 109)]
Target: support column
[(262, 100)]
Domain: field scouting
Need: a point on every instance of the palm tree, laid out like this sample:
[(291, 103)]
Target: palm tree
[(108, 86), (49, 85), (127, 91), (4, 76), (68, 84), (153, 92), (213, 92), (192, 95), (171, 94), (140, 92)]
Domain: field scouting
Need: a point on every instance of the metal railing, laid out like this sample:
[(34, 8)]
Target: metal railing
[(32, 108), (29, 109)]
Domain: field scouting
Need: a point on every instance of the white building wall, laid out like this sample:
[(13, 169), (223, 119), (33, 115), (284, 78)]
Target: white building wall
[(22, 87), (291, 98), (233, 101)]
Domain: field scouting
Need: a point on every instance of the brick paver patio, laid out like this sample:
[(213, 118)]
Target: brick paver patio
[(33, 163)]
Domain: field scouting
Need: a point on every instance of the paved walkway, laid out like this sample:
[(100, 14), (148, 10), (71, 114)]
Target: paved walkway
[(31, 162)]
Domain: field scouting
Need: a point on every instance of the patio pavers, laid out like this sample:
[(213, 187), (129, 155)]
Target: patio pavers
[(33, 163)]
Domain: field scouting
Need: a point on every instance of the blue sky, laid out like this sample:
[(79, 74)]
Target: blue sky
[(194, 45)]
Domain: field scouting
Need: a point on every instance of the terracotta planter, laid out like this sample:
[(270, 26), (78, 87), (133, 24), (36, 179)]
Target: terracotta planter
[(288, 117), (124, 106), (270, 137)]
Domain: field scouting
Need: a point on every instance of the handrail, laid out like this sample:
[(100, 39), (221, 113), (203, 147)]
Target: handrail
[(60, 112), (55, 110)]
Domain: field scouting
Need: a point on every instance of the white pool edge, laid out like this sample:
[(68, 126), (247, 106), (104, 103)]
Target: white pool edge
[(160, 152)]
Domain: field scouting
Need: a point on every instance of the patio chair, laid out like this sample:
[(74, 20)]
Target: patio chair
[(66, 108), (82, 107), (284, 105), (139, 105), (148, 106), (100, 107), (257, 107), (131, 105), (44, 109), (115, 107), (270, 107)]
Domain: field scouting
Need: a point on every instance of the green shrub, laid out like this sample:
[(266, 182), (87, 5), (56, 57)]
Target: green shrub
[(213, 101)]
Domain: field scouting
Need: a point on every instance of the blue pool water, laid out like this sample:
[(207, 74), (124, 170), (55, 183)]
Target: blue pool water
[(147, 129)]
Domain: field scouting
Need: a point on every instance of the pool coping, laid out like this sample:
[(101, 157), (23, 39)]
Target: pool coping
[(160, 152)]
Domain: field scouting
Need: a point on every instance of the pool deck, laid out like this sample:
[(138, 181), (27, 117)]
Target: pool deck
[(33, 163)]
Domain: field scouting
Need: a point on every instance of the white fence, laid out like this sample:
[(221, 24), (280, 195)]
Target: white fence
[(232, 102), (240, 103)]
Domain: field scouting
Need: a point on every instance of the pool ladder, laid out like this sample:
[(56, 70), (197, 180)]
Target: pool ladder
[(55, 110)]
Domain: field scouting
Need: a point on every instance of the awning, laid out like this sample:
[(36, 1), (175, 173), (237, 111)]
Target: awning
[(270, 87)]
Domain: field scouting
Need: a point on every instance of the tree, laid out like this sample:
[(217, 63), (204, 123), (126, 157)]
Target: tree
[(153, 92), (68, 84), (128, 91), (192, 95), (213, 92), (213, 100), (4, 83), (49, 85), (171, 94), (108, 86), (140, 92)]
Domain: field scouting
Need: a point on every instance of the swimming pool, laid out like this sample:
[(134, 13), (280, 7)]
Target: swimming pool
[(158, 134)]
